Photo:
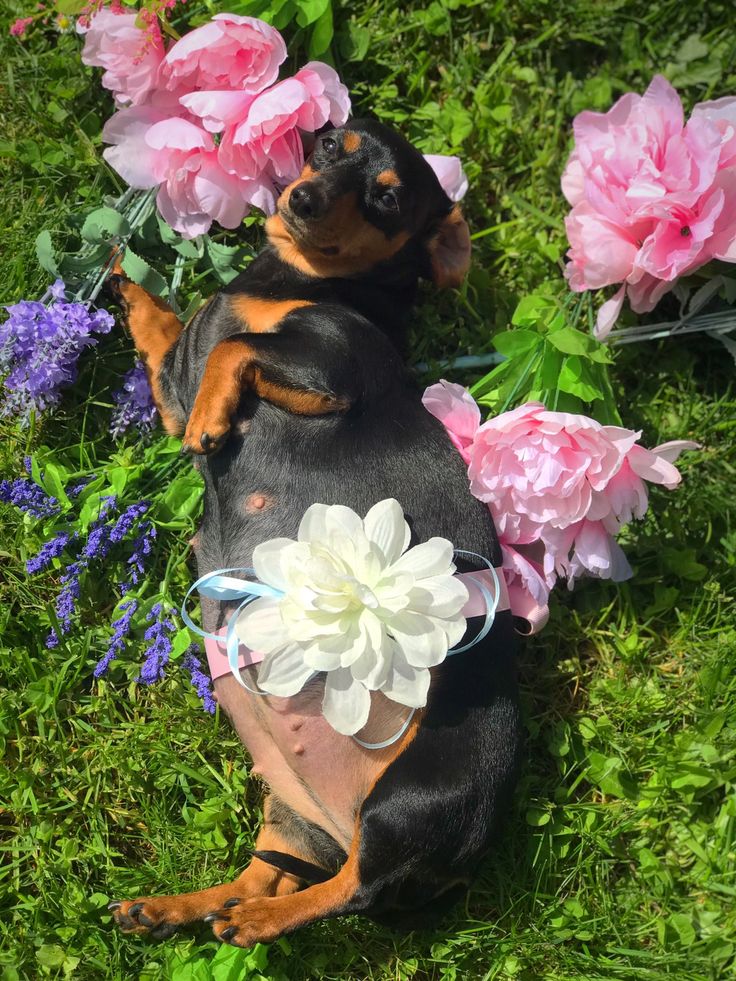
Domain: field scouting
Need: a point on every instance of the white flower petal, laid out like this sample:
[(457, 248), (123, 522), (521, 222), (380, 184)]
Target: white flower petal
[(343, 521), (261, 627), (422, 642), (324, 655), (432, 558), (385, 527), (313, 526), (440, 596), (370, 670), (347, 703), (285, 672), (455, 630), (406, 684), (267, 561)]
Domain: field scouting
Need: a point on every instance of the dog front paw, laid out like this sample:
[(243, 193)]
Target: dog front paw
[(205, 434)]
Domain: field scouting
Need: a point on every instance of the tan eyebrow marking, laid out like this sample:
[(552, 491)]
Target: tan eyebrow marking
[(388, 178), (351, 141)]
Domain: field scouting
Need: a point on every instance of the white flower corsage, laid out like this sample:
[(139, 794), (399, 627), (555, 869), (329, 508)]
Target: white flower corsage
[(357, 604)]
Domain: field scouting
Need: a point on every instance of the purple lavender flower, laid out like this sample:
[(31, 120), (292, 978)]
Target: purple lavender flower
[(134, 403), (96, 547), (141, 548), (121, 628), (66, 601), (26, 495), (49, 551), (39, 349), (201, 682), (159, 648)]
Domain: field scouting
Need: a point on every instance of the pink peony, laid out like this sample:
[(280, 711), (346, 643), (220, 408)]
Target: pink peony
[(230, 53), (559, 486), (130, 56), (151, 148), (653, 197), (216, 81), (267, 138)]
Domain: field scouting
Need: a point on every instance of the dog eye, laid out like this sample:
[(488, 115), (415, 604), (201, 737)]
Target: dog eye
[(329, 145), (388, 200)]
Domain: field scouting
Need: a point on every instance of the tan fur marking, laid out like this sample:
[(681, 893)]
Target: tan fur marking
[(262, 315), (258, 880), (229, 371), (361, 245), (388, 178), (154, 328), (351, 141)]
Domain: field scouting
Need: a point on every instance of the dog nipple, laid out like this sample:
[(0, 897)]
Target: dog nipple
[(298, 749), (258, 502)]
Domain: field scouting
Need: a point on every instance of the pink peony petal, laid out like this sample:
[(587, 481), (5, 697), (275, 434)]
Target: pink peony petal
[(450, 174), (609, 314), (217, 109), (458, 412)]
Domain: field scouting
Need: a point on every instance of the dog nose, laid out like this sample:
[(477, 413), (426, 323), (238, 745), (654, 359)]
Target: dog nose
[(305, 201)]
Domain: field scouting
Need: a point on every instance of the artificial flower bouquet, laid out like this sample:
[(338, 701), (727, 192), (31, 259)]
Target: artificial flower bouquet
[(206, 128)]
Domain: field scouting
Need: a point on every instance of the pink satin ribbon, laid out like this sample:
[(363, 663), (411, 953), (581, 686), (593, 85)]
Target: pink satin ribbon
[(475, 607)]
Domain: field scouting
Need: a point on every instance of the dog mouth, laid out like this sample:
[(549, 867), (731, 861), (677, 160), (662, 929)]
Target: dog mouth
[(306, 237)]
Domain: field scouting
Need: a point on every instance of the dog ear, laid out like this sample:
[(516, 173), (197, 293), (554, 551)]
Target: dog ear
[(449, 250)]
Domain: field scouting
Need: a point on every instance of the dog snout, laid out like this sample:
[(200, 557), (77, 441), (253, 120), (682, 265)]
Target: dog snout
[(307, 202)]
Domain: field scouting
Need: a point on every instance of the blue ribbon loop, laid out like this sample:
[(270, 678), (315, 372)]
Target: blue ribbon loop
[(222, 586)]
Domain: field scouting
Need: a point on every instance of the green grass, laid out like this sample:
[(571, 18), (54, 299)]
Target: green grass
[(618, 860)]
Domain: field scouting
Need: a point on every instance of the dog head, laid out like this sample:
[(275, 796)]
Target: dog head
[(365, 196)]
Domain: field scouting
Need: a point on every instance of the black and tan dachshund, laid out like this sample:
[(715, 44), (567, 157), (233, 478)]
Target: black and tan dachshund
[(291, 388)]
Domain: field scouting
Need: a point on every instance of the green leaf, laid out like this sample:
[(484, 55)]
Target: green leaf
[(46, 253), (570, 341), (104, 224), (354, 43), (167, 233), (182, 496), (575, 379), (194, 304), (322, 34), (144, 275), (310, 10), (223, 259), (513, 343), (692, 777), (549, 370), (50, 955), (683, 563), (182, 642), (532, 309), (54, 479)]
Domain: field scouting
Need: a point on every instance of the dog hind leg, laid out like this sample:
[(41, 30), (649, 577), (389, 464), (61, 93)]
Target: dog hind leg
[(161, 916), (155, 328)]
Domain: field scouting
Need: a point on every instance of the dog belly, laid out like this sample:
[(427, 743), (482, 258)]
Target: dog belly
[(322, 775)]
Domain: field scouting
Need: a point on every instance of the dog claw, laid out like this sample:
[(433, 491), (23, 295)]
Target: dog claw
[(231, 902), (115, 904), (228, 933), (211, 917), (135, 909)]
